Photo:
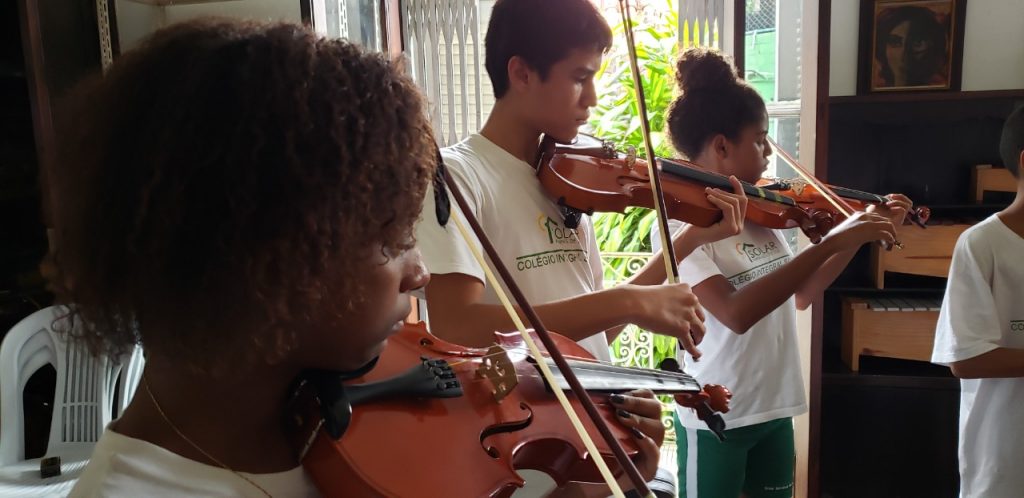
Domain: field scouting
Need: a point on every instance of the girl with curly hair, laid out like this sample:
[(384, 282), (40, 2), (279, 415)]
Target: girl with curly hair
[(750, 284), (239, 199)]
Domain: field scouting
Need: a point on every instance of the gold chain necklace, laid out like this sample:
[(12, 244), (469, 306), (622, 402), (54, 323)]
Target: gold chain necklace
[(194, 445)]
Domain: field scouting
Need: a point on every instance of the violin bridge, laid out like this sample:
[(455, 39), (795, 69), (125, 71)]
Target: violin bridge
[(630, 158), (497, 367), (798, 186)]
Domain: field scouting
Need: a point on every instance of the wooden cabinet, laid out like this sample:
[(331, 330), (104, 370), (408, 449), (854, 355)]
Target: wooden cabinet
[(883, 418), (925, 252), (893, 327)]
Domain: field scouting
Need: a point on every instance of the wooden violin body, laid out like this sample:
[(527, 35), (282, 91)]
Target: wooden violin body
[(504, 418), (587, 179)]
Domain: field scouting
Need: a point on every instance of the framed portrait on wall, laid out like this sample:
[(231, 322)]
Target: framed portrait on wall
[(910, 45)]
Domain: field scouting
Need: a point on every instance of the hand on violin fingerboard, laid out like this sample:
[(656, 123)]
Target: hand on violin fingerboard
[(639, 409), (734, 209), (861, 228), (896, 208)]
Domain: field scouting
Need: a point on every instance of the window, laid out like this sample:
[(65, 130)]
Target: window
[(444, 47), (356, 20), (772, 64), (701, 23)]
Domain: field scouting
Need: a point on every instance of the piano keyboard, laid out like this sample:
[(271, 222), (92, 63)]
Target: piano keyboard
[(904, 304)]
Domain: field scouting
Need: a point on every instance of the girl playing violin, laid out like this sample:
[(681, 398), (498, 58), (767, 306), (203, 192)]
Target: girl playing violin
[(244, 220), (751, 285), (239, 198)]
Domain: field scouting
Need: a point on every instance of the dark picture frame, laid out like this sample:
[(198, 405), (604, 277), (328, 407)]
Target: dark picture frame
[(910, 45)]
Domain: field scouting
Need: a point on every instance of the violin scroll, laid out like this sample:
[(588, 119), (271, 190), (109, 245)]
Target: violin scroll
[(719, 397), (712, 400)]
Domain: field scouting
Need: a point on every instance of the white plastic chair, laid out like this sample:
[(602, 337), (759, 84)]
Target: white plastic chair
[(82, 407), (131, 372)]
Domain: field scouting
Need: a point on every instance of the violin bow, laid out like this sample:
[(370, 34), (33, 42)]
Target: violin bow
[(841, 205), (441, 201), (667, 249)]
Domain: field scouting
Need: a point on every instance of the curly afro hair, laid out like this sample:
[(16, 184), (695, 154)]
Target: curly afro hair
[(225, 180), (713, 100)]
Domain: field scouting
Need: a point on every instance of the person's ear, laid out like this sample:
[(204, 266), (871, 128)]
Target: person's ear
[(720, 146), (520, 75), (1020, 165)]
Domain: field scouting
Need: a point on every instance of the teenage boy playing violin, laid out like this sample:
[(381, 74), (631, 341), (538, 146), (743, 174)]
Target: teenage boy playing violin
[(751, 285), (541, 56), (244, 220)]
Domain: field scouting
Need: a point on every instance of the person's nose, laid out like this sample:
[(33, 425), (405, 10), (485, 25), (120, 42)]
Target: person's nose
[(589, 97), (416, 274)]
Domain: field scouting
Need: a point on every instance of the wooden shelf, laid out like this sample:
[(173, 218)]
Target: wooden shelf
[(889, 372), (897, 97), (888, 291), (897, 381)]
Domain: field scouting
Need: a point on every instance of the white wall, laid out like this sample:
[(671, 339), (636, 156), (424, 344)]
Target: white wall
[(135, 20), (993, 46), (843, 47)]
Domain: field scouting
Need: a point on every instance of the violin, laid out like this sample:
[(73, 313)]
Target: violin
[(463, 420), (830, 203), (810, 198), (589, 176)]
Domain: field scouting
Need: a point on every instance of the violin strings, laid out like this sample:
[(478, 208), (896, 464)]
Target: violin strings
[(653, 373), (538, 376)]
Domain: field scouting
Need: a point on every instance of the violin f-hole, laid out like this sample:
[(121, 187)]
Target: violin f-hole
[(505, 427)]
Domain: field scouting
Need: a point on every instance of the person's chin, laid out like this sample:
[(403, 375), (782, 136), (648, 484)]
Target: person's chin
[(564, 135), (377, 350), (374, 350)]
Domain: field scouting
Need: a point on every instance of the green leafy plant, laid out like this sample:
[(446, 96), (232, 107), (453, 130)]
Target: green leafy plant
[(625, 237), (616, 118)]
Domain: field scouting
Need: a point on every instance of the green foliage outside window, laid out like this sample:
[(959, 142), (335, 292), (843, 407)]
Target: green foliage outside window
[(616, 118)]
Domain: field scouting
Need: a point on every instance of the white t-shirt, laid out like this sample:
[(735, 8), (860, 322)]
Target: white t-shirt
[(983, 310), (548, 261), (122, 466), (762, 366)]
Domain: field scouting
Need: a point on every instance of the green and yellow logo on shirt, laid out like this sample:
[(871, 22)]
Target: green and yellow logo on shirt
[(557, 233), (754, 252)]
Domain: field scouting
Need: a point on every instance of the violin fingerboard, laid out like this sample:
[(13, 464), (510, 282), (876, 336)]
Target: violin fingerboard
[(597, 377)]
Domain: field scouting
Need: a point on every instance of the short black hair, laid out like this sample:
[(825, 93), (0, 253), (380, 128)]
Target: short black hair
[(1012, 142), (542, 32)]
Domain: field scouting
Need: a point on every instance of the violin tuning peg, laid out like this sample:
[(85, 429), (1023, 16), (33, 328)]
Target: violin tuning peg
[(669, 365), (608, 148)]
